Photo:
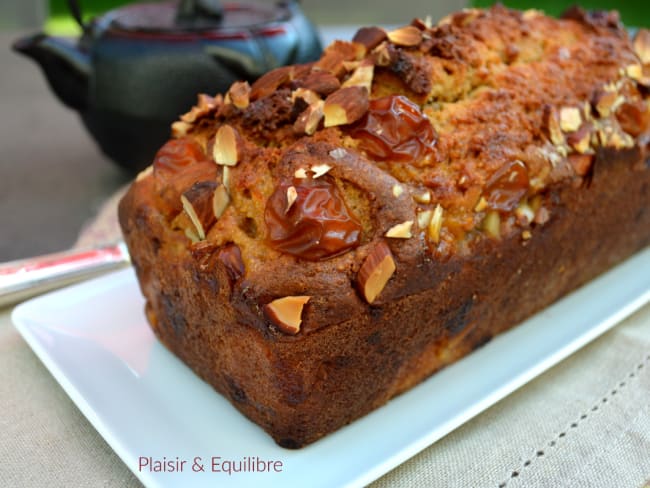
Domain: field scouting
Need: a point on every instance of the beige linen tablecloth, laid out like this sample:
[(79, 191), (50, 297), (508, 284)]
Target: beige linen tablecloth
[(584, 423)]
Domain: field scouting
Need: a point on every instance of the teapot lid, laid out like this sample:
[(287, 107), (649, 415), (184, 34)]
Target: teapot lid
[(192, 16)]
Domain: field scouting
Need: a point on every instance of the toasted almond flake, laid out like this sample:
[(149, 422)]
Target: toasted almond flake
[(286, 313), (400, 231), (405, 36), (570, 119), (225, 146), (190, 233), (351, 65), (634, 71), (180, 129), (225, 177), (309, 120), (376, 270), (320, 169), (292, 195), (641, 45), (220, 201), (309, 96), (424, 197), (321, 82), (397, 190), (239, 94), (580, 140), (197, 205), (532, 13), (525, 212), (362, 77), (435, 225), (492, 224), (144, 173), (300, 173), (424, 217), (345, 106), (370, 37), (189, 209), (382, 55), (604, 101), (268, 83), (481, 205), (525, 235)]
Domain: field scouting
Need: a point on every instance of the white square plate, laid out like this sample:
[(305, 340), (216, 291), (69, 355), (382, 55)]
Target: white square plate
[(95, 340)]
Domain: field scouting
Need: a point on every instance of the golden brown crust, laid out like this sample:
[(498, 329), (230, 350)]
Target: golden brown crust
[(515, 169)]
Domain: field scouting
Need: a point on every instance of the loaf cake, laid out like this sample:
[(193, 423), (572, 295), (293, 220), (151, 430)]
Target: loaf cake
[(323, 239)]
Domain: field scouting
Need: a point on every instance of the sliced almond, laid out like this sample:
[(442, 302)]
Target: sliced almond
[(239, 94), (526, 235), (525, 212), (435, 225), (424, 197), (405, 36), (267, 84), (292, 196), (362, 76), (580, 140), (180, 129), (634, 71), (308, 96), (225, 177), (286, 313), (481, 204), (225, 146), (532, 13), (205, 104), (492, 224), (331, 61), (376, 270), (370, 37), (397, 190), (570, 119), (552, 126), (641, 45), (309, 120), (144, 173), (424, 217), (382, 55), (605, 102), (612, 136), (300, 173), (197, 203), (345, 106), (320, 169), (400, 231), (321, 82), (220, 201)]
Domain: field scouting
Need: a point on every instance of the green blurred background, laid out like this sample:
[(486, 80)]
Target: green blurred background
[(633, 12)]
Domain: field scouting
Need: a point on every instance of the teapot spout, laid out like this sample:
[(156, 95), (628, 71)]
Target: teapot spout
[(66, 67)]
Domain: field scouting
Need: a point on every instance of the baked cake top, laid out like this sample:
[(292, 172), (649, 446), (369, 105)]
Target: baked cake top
[(436, 136)]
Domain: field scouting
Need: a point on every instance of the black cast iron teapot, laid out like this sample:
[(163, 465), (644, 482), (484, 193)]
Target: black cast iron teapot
[(134, 70)]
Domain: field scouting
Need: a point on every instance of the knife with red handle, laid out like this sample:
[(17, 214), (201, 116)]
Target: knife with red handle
[(29, 277)]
